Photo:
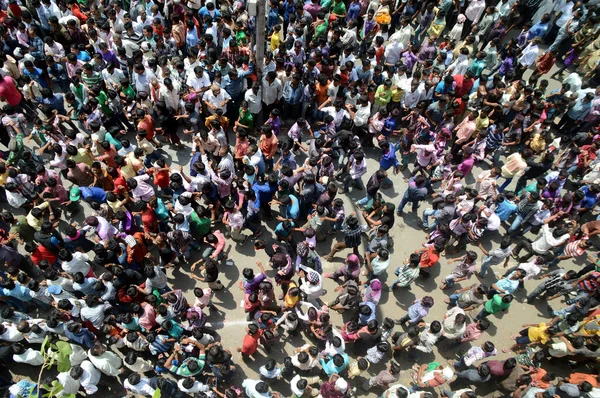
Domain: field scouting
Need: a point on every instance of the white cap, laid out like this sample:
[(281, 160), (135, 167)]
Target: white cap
[(341, 384)]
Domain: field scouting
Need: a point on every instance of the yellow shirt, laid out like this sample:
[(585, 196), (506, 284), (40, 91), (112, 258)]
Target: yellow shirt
[(36, 223), (537, 144), (482, 124), (538, 334), (275, 40), (82, 156), (354, 370), (3, 178), (397, 94)]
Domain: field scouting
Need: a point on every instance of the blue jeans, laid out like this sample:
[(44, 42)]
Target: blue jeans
[(449, 281), (404, 201), (505, 184), (364, 201), (515, 224), (453, 297), (426, 214), (485, 266)]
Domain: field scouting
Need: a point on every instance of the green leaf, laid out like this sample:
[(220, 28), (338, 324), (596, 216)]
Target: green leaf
[(64, 352)]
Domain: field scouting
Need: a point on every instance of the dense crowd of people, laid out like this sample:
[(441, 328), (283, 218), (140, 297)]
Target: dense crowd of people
[(453, 96)]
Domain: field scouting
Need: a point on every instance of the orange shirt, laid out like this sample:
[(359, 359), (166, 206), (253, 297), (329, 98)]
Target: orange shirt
[(577, 378), (536, 379), (267, 145), (147, 124), (429, 258), (321, 92)]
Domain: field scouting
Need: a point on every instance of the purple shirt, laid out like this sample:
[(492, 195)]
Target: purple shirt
[(466, 166), (110, 57), (409, 59), (252, 285), (416, 312)]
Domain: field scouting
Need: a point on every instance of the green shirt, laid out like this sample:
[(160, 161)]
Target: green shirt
[(529, 188), (477, 67), (200, 226), (339, 8), (496, 304), (325, 4), (183, 369), (247, 120), (103, 102), (129, 91), (383, 96), (321, 30), (94, 80), (240, 37)]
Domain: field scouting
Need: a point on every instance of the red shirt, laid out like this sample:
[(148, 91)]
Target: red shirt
[(9, 91), (41, 253), (147, 124), (462, 86), (250, 343), (149, 219), (429, 258), (77, 13)]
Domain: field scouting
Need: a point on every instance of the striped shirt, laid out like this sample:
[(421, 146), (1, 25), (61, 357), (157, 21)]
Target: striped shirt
[(406, 275), (573, 249), (94, 80)]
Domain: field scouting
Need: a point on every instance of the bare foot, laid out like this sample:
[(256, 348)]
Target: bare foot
[(447, 301)]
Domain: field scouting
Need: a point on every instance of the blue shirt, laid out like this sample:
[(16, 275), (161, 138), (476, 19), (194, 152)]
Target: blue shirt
[(84, 337), (353, 11), (93, 193), (590, 199), (537, 30), (19, 292), (580, 110), (416, 312), (507, 284), (36, 76), (329, 367), (55, 102), (282, 232), (272, 19), (389, 159), (505, 209), (191, 39), (364, 319), (293, 210)]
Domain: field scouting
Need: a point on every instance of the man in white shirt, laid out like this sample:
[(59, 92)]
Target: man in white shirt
[(75, 262), (393, 51), (272, 91), (253, 97), (9, 333), (142, 78), (198, 82), (88, 376), (112, 76), (105, 361), (70, 384), (216, 98), (528, 56), (138, 385)]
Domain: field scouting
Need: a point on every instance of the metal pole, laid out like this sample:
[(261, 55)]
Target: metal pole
[(261, 26)]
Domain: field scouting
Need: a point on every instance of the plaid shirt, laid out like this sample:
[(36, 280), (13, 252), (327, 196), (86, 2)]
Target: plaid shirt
[(406, 275), (234, 54), (38, 48)]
